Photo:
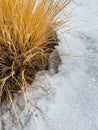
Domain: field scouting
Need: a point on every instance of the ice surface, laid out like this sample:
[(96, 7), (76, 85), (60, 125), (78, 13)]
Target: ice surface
[(71, 97)]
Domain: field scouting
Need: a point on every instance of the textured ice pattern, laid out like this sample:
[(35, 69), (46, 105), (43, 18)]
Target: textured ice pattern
[(68, 100)]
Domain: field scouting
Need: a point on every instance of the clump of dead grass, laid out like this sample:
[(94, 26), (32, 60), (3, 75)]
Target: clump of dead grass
[(27, 37)]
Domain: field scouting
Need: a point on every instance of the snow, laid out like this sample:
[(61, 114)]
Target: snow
[(71, 98)]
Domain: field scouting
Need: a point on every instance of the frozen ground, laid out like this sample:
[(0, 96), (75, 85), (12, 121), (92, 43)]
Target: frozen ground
[(71, 100)]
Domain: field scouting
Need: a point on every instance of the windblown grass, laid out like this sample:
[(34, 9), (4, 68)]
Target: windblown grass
[(27, 37)]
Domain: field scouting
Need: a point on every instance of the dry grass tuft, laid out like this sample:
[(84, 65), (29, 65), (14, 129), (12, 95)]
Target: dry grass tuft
[(27, 37)]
